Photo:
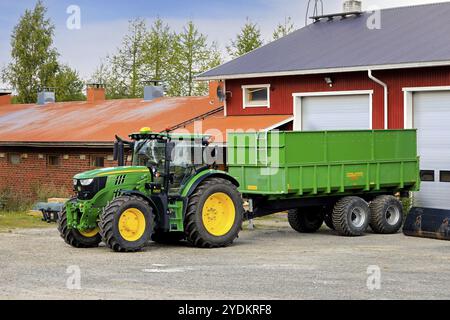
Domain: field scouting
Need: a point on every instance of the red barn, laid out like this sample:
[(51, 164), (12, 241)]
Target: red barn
[(356, 70)]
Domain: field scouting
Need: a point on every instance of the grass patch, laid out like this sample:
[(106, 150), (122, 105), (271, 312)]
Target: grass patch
[(20, 220)]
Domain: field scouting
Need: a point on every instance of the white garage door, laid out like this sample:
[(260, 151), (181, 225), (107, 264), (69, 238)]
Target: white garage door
[(347, 112), (432, 119)]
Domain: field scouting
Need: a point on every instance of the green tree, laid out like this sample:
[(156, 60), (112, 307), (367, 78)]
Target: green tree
[(34, 59), (127, 67), (158, 51), (283, 29), (193, 55), (247, 40), (69, 86)]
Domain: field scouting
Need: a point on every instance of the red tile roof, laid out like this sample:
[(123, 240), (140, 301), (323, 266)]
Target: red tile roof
[(100, 121)]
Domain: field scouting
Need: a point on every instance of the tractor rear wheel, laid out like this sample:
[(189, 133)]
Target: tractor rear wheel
[(305, 220), (386, 215), (75, 238), (351, 216), (214, 214), (127, 224)]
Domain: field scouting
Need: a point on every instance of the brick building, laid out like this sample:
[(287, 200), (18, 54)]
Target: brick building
[(48, 144)]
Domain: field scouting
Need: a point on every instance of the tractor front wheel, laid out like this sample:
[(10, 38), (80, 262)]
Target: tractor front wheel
[(214, 215), (127, 224), (75, 238)]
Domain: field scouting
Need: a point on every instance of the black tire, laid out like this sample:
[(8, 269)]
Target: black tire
[(109, 224), (74, 237), (329, 221), (196, 232), (168, 237), (386, 215), (306, 220), (351, 216)]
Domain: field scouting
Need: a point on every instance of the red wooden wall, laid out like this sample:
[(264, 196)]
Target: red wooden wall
[(282, 89)]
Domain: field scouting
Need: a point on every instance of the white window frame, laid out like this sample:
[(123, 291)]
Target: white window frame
[(298, 97), (408, 102), (244, 96)]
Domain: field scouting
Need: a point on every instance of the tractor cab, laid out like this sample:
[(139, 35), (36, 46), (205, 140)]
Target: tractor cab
[(172, 159)]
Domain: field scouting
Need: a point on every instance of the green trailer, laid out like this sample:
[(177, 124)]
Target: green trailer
[(311, 174), (174, 191)]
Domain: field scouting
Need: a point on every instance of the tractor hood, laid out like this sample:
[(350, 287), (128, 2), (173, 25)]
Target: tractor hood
[(111, 172)]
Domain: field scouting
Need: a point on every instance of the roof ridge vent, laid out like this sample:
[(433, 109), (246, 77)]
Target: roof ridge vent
[(350, 8), (342, 15)]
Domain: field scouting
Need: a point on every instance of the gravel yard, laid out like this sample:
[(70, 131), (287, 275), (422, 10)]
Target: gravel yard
[(271, 262)]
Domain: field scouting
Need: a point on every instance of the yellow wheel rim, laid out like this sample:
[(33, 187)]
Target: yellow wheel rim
[(132, 225), (90, 233), (219, 214)]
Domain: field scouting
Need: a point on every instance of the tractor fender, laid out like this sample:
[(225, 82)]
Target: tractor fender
[(157, 208), (210, 174)]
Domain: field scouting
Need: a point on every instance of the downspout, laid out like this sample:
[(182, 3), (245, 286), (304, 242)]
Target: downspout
[(386, 98)]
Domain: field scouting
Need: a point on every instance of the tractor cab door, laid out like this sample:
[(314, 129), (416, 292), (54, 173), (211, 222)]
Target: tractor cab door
[(186, 159)]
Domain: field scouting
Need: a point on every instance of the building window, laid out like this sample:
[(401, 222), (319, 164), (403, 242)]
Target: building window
[(53, 160), (445, 176), (14, 158), (257, 96), (98, 162), (427, 176)]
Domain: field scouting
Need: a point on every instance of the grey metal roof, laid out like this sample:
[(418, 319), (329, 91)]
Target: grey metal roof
[(409, 37)]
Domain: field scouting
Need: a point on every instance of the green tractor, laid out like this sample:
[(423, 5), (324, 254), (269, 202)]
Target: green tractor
[(169, 194)]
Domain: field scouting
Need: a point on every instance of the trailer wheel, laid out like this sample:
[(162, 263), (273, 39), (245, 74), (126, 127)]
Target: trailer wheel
[(214, 214), (351, 216), (168, 237), (126, 224), (386, 215), (308, 221), (75, 238)]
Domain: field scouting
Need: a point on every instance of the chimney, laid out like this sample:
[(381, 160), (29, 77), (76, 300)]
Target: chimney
[(46, 95), (352, 6), (153, 89), (5, 97), (95, 92)]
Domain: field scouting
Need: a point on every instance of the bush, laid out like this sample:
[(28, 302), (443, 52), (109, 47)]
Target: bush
[(11, 200), (407, 204)]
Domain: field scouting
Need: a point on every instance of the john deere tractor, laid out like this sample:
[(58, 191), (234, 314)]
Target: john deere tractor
[(170, 193)]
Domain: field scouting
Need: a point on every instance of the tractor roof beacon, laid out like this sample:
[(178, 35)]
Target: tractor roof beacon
[(169, 192)]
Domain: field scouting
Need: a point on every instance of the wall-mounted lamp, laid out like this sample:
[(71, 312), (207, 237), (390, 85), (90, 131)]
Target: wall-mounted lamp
[(329, 81)]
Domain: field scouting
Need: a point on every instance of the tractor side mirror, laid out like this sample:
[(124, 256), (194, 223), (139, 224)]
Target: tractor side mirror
[(120, 154), (116, 151)]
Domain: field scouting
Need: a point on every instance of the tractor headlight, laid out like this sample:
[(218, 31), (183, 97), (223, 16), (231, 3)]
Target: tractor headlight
[(75, 182), (86, 182)]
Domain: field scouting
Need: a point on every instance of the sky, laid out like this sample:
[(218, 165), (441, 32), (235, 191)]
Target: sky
[(104, 22)]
